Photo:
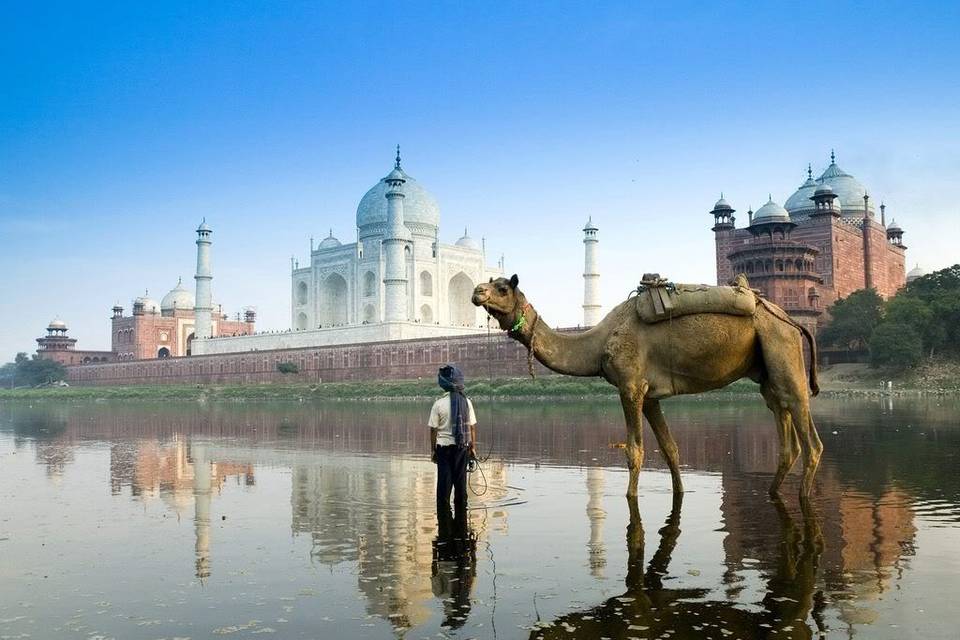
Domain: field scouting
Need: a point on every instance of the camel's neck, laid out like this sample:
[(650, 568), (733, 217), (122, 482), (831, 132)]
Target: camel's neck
[(573, 354)]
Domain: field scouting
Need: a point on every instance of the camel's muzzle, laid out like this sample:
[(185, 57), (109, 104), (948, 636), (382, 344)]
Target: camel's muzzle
[(479, 296)]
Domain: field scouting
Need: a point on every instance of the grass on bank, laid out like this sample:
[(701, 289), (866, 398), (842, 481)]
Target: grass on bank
[(547, 386)]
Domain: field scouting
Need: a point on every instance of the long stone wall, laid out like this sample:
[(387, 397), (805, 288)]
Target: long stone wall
[(480, 356)]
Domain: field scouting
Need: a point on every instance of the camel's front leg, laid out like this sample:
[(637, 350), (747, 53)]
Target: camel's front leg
[(651, 409), (631, 397)]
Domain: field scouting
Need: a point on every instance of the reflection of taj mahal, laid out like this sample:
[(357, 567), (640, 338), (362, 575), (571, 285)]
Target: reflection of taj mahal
[(396, 271)]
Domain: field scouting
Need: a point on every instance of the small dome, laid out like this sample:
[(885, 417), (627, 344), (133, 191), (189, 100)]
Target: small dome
[(770, 212), (419, 206), (178, 298), (590, 226), (722, 204), (204, 226), (149, 304), (894, 226), (467, 242), (57, 323), (823, 190), (329, 242), (915, 273)]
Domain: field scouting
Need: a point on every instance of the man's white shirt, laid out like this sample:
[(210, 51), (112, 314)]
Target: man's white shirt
[(440, 419)]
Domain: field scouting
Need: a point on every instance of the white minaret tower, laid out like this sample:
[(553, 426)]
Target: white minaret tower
[(591, 276), (203, 327), (395, 240)]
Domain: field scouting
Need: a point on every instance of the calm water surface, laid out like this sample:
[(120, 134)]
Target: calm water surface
[(139, 520)]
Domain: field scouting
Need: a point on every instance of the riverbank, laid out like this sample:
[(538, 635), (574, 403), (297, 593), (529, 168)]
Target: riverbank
[(846, 380)]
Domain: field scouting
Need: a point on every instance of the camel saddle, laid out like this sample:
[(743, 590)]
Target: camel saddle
[(660, 300)]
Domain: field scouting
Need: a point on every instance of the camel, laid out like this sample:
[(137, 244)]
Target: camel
[(685, 355)]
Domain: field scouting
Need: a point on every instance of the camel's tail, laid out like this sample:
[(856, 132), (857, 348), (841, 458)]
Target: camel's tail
[(782, 315)]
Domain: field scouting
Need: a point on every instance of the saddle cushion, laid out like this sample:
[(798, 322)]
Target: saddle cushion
[(659, 303)]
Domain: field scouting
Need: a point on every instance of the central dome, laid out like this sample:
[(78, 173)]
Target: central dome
[(419, 205), (178, 299), (849, 191)]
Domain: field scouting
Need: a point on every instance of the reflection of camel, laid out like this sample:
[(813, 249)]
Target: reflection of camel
[(647, 609), (687, 354)]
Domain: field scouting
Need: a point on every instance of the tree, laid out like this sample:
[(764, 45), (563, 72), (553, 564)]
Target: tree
[(30, 372), (895, 344), (288, 367), (853, 320)]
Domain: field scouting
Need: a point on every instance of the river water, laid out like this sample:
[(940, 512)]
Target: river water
[(241, 520)]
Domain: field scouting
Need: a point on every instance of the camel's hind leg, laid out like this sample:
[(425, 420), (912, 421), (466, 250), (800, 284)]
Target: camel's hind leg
[(631, 397), (789, 442), (651, 409), (812, 446), (787, 390)]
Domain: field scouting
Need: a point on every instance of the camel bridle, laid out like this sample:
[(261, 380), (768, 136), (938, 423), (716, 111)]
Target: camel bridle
[(516, 331)]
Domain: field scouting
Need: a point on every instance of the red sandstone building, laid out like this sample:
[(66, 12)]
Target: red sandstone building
[(58, 346), (167, 330), (823, 245)]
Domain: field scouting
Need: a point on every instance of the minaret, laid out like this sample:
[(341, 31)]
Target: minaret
[(203, 327), (724, 229), (591, 276), (394, 241)]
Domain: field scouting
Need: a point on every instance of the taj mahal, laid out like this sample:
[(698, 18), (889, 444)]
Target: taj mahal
[(396, 281), (397, 270)]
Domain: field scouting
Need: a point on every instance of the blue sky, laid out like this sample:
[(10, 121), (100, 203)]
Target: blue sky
[(122, 125)]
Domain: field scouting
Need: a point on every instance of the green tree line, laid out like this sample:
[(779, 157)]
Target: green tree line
[(30, 372), (921, 321)]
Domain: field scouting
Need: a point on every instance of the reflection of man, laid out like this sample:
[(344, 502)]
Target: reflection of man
[(454, 567), (453, 433)]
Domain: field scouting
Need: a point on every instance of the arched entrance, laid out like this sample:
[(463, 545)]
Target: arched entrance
[(190, 343), (426, 314), (302, 293), (301, 321), (333, 301), (462, 311), (163, 353), (426, 283), (369, 314), (369, 284)]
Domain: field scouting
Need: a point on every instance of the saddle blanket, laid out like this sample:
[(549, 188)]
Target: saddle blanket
[(665, 301)]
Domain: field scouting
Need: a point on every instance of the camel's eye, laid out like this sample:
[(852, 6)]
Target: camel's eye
[(502, 290)]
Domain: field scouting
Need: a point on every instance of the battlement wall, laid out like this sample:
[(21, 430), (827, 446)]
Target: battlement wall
[(480, 356)]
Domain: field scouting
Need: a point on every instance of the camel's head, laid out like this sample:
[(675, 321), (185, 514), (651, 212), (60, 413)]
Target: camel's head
[(501, 299)]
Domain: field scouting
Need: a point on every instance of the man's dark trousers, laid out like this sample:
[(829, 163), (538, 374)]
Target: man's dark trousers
[(452, 474)]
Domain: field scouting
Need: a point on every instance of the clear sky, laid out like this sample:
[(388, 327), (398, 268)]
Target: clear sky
[(122, 125)]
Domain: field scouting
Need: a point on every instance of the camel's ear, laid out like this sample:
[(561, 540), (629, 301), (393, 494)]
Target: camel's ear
[(514, 281), (491, 280)]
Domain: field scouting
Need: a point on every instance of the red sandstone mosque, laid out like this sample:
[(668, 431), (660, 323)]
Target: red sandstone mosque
[(822, 245), (154, 330)]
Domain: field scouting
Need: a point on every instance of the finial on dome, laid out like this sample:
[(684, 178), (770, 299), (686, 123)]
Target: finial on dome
[(809, 172), (769, 197), (179, 280), (331, 233), (833, 157), (397, 163), (721, 195), (465, 234)]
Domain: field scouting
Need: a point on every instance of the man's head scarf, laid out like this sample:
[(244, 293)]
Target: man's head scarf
[(450, 378)]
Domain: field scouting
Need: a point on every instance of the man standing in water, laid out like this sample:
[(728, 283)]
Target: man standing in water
[(453, 434)]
